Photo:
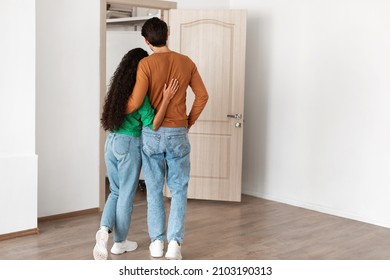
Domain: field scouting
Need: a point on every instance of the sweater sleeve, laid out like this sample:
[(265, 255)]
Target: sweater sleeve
[(140, 88), (201, 96)]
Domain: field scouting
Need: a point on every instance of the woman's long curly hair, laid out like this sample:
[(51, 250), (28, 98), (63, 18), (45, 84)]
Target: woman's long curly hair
[(120, 89)]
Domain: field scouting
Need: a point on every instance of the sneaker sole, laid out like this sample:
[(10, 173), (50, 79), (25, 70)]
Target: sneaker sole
[(173, 257), (100, 252), (124, 251), (157, 255)]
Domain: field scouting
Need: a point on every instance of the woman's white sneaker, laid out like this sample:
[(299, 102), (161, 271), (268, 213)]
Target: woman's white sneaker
[(156, 248), (174, 251), (100, 249), (123, 247)]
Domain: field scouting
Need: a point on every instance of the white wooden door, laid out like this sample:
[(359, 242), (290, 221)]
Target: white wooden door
[(215, 41)]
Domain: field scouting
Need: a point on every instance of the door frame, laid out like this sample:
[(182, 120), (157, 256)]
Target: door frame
[(164, 6)]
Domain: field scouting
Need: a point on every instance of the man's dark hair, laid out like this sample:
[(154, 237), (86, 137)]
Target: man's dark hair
[(155, 31)]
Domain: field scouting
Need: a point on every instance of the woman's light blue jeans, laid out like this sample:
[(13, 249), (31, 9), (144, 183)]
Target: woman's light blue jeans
[(122, 155), (166, 154)]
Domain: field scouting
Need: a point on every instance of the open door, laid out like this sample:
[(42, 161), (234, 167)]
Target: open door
[(215, 40)]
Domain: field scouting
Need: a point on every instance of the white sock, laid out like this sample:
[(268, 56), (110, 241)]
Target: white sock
[(105, 228)]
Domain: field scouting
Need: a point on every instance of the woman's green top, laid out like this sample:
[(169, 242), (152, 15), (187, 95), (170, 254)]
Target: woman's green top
[(133, 122)]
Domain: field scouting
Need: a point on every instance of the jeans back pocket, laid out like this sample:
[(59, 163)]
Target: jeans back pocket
[(178, 145), (122, 144), (150, 143)]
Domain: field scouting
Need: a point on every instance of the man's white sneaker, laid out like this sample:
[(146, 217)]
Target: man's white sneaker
[(156, 248), (100, 249), (174, 251), (123, 247)]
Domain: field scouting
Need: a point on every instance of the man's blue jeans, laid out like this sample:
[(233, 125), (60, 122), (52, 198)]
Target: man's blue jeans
[(122, 155), (166, 155)]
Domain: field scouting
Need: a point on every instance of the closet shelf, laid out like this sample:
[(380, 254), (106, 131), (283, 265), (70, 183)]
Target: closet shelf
[(130, 19)]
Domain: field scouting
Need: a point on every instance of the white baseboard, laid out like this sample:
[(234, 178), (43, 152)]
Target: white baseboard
[(319, 208)]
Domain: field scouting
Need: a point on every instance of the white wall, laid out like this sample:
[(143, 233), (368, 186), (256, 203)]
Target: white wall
[(18, 161), (67, 100), (68, 105), (317, 123)]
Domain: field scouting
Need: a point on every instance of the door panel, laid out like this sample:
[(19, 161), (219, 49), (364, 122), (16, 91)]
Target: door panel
[(215, 41)]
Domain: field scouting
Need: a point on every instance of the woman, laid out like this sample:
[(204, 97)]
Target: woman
[(122, 152)]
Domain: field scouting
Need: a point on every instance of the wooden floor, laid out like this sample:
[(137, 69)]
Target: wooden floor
[(250, 230)]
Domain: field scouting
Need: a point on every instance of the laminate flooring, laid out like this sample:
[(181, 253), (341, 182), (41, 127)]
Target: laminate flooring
[(254, 229)]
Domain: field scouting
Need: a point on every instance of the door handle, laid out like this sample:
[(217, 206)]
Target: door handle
[(235, 116)]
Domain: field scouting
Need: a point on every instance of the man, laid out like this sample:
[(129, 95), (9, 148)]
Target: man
[(166, 152)]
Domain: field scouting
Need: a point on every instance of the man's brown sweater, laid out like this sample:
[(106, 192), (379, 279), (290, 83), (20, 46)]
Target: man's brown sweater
[(158, 69)]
